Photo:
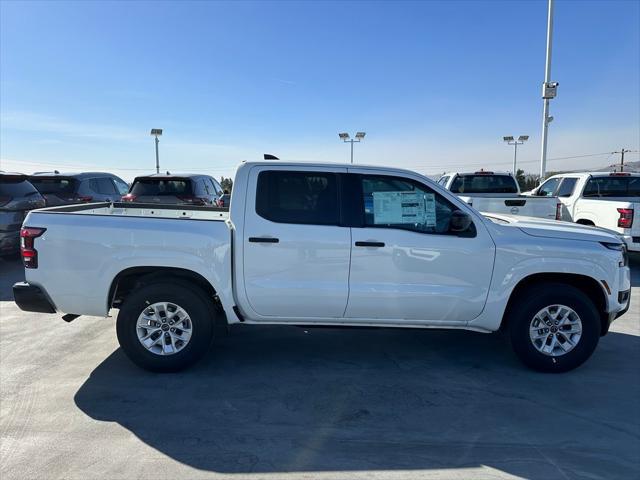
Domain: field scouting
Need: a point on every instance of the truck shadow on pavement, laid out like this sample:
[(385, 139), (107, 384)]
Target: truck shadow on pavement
[(284, 399)]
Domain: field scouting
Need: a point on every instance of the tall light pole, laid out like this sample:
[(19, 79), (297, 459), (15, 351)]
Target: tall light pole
[(157, 132), (345, 138), (549, 90), (510, 141)]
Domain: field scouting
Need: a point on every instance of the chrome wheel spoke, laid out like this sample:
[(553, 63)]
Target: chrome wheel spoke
[(555, 330)]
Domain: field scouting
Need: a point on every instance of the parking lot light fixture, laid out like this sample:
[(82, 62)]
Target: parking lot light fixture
[(157, 132), (347, 139), (510, 140)]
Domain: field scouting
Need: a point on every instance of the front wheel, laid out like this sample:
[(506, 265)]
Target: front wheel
[(165, 327), (553, 327)]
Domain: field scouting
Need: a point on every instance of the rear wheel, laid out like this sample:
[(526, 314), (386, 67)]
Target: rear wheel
[(553, 327), (165, 327)]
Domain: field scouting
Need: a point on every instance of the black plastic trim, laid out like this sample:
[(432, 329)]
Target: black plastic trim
[(31, 298)]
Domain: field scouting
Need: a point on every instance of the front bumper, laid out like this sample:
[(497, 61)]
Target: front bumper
[(31, 298)]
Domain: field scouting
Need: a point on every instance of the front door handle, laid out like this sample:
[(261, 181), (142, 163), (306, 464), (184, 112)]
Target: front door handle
[(263, 240), (369, 244)]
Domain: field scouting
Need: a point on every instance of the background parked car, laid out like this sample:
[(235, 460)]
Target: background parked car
[(69, 188), (177, 189), (17, 197)]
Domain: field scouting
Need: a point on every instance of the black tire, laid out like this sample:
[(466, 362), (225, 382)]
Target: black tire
[(187, 296), (534, 299)]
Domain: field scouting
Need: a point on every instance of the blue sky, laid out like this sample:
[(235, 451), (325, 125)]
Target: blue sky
[(434, 84)]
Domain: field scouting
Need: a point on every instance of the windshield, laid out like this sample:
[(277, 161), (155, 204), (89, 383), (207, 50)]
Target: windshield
[(161, 186), (54, 184), (484, 184), (612, 187)]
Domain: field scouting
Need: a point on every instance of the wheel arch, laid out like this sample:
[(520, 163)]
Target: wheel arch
[(585, 221), (134, 277), (588, 285)]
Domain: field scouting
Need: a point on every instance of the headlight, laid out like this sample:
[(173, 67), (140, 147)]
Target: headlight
[(620, 247)]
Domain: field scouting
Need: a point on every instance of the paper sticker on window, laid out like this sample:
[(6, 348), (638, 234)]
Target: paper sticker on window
[(394, 208)]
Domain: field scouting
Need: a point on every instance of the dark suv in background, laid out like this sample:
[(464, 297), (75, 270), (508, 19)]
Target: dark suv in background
[(17, 197), (69, 188), (176, 189)]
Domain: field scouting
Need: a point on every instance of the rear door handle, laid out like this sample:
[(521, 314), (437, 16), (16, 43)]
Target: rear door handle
[(263, 240), (369, 244)]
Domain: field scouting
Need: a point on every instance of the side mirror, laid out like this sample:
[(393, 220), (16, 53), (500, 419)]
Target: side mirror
[(459, 221)]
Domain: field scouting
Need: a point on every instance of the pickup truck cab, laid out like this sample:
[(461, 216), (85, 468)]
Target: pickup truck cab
[(497, 192), (324, 244), (603, 199)]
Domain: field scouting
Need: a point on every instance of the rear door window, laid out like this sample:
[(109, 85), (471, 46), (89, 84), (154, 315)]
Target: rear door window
[(102, 185), (484, 184), (567, 186), (161, 186), (298, 197)]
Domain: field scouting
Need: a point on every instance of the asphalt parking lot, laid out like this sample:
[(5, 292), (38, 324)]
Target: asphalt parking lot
[(284, 402)]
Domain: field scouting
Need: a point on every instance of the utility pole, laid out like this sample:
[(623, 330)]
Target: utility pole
[(622, 152), (549, 90)]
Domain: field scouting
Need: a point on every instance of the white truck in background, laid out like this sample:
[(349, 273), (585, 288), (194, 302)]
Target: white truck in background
[(498, 192), (603, 199), (327, 245)]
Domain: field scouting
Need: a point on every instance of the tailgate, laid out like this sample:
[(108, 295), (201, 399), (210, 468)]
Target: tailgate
[(525, 206)]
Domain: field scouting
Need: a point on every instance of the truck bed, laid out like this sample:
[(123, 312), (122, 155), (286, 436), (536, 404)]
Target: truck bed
[(86, 246), (127, 209)]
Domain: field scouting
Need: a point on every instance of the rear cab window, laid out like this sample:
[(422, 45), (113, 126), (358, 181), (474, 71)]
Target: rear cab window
[(161, 186), (612, 186), (483, 183), (298, 197)]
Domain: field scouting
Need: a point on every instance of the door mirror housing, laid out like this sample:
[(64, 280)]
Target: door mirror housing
[(459, 221)]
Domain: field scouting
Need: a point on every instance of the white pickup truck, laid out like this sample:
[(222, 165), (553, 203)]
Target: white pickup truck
[(498, 192), (608, 200), (324, 244)]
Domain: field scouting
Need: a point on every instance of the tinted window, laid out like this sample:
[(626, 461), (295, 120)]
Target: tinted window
[(102, 186), (612, 186), (566, 187), (484, 184), (298, 197), (548, 188), (393, 202), (122, 187), (216, 186), (15, 187), (443, 181), (54, 184), (161, 186)]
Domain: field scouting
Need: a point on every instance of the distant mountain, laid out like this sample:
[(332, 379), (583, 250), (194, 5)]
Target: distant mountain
[(628, 167)]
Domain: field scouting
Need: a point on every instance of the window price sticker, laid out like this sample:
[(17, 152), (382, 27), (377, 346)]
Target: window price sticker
[(394, 208)]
